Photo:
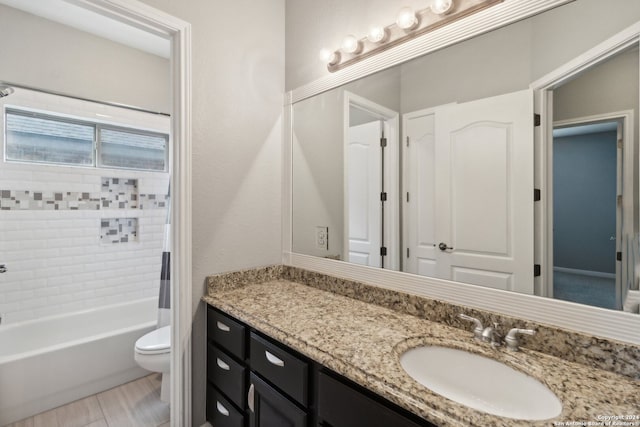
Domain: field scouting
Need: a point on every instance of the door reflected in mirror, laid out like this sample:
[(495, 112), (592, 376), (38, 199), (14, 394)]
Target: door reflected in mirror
[(432, 167)]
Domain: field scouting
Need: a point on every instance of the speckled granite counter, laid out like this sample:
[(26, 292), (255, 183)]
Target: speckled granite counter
[(363, 341)]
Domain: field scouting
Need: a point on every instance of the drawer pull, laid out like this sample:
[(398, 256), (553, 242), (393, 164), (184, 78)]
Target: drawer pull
[(273, 359), (224, 411), (250, 397), (223, 327), (222, 364)]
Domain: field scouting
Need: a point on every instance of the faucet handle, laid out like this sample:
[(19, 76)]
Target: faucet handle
[(512, 337), (477, 330)]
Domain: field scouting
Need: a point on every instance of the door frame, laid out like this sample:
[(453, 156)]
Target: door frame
[(391, 178), (543, 139), (148, 18), (624, 181)]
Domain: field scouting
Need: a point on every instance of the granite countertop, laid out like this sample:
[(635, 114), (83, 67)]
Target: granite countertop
[(363, 342)]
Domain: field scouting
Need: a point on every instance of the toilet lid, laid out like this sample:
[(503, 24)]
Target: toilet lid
[(158, 341)]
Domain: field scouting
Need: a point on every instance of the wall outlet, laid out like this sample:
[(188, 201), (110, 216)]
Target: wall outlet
[(322, 238)]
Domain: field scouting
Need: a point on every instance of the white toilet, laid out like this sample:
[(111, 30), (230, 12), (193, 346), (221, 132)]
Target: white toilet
[(153, 353)]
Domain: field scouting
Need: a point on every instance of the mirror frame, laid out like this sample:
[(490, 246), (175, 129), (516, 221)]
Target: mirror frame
[(143, 16), (618, 325)]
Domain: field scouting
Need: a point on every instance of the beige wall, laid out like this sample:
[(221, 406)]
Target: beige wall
[(238, 84), (44, 54)]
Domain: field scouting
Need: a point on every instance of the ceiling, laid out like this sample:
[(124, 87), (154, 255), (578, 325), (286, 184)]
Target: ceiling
[(82, 19)]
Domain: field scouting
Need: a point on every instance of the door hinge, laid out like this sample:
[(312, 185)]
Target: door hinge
[(407, 252), (536, 120), (620, 144), (383, 196), (619, 256), (383, 251), (619, 199), (537, 270), (407, 141), (407, 197), (536, 195), (383, 142)]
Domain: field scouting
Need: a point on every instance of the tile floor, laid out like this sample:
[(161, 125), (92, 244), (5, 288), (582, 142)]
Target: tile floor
[(134, 404)]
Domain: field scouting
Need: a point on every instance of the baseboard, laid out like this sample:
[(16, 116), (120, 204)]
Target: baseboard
[(579, 272)]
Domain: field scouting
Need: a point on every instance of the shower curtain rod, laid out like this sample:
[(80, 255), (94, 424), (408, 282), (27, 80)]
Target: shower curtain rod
[(112, 104)]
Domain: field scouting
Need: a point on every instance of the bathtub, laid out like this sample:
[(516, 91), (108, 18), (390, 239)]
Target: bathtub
[(48, 362)]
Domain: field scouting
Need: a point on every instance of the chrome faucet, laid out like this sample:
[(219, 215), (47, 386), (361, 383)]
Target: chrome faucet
[(478, 329), (512, 337), (491, 335)]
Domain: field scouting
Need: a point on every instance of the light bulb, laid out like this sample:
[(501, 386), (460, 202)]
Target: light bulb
[(377, 35), (329, 56), (440, 7), (407, 19), (350, 44)]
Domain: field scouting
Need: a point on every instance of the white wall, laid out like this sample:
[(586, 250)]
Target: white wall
[(238, 85), (40, 53), (318, 159), (56, 259)]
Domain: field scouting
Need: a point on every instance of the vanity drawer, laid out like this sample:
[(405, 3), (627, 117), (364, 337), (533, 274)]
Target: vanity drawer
[(280, 367), (220, 412), (227, 375), (227, 332)]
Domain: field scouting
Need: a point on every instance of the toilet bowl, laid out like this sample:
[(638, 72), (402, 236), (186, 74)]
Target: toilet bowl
[(153, 353)]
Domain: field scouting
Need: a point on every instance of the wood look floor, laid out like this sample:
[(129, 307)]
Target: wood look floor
[(134, 404)]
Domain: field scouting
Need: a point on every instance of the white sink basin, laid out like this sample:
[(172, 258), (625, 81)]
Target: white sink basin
[(481, 383)]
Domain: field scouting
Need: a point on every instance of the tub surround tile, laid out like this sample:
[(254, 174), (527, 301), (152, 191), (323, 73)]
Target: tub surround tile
[(359, 331)]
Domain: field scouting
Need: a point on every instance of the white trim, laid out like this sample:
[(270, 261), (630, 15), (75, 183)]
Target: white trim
[(479, 23), (589, 273), (145, 17), (625, 187)]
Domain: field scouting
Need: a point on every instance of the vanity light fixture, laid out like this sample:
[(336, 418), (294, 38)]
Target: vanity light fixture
[(407, 19), (378, 35), (409, 24), (350, 44)]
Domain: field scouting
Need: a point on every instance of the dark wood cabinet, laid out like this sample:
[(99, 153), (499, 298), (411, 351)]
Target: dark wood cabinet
[(272, 409), (255, 381)]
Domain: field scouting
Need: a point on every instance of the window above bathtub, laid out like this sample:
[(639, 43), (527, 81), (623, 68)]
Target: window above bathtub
[(48, 138)]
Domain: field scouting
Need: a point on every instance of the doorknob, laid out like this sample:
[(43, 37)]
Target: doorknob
[(443, 246), (3, 268)]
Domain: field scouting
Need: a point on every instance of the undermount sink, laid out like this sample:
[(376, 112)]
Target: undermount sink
[(480, 383)]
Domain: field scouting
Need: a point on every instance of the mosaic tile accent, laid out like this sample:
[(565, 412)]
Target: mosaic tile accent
[(119, 193), (154, 201), (48, 200), (119, 230)]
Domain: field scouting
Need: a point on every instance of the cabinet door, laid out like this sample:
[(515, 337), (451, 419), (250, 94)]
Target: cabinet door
[(339, 405), (268, 408)]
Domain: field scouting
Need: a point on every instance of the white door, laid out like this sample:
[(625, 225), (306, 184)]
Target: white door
[(364, 183), (470, 167)]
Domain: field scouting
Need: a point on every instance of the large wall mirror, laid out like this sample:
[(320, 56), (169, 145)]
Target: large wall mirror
[(432, 167)]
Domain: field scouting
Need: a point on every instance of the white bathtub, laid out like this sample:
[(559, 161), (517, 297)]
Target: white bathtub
[(55, 360)]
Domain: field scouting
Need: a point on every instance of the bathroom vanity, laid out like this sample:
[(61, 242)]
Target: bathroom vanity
[(320, 351), (254, 379)]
